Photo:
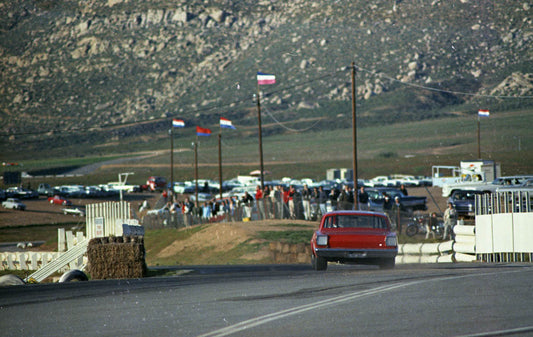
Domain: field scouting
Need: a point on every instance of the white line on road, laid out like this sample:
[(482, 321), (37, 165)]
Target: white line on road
[(253, 322)]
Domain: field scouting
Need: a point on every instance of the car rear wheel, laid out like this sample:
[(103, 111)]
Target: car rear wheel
[(387, 263), (318, 263)]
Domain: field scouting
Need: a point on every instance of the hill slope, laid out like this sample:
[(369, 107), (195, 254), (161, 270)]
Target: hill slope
[(108, 70)]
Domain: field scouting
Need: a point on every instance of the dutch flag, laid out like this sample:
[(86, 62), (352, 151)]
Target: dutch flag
[(178, 123), (483, 113), (226, 123)]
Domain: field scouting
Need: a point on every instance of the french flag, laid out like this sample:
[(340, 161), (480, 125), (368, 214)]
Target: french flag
[(263, 78), (226, 123), (202, 131), (483, 113), (178, 123)]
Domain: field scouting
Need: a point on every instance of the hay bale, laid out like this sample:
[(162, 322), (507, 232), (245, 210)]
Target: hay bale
[(116, 258)]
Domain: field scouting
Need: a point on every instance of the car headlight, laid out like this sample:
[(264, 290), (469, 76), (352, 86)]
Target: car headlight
[(391, 241), (322, 240)]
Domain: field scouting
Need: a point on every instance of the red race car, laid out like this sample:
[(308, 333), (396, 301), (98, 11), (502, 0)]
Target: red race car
[(354, 237), (59, 200)]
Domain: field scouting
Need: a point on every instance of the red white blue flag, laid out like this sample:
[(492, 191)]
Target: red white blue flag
[(178, 123), (263, 78), (483, 113), (226, 123), (202, 131)]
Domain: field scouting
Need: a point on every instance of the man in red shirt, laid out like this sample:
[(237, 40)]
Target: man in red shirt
[(259, 202)]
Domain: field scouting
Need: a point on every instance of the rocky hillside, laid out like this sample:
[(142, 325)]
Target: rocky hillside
[(87, 66)]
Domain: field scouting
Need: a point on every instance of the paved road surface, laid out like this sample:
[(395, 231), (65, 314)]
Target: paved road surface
[(292, 300)]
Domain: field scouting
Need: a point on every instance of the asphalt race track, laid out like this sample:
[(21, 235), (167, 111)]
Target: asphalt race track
[(282, 300)]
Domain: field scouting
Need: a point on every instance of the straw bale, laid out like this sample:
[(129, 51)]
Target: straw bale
[(116, 258)]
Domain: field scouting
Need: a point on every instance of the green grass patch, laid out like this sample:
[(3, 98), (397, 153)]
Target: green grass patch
[(292, 237)]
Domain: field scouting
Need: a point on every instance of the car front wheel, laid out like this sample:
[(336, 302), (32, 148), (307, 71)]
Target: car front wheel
[(318, 263)]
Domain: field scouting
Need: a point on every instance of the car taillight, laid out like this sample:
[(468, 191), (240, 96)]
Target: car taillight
[(322, 240), (391, 241)]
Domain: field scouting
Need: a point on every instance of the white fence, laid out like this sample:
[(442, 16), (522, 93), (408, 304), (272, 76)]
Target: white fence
[(106, 219), (103, 219), (504, 226), (35, 260)]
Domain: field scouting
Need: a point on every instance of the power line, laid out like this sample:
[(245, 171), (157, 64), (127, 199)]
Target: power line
[(280, 89), (288, 128), (392, 79)]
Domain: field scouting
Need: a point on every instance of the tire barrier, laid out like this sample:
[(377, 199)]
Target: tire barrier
[(10, 280), (462, 249), (73, 275)]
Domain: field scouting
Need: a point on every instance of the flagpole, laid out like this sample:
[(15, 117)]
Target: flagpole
[(171, 164), (196, 169), (260, 136), (478, 137), (220, 161)]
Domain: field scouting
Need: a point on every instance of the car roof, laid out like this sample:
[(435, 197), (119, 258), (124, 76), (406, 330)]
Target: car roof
[(348, 212)]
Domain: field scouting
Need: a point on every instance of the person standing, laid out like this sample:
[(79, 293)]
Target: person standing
[(450, 219), (267, 202), (333, 196), (432, 222), (322, 199), (342, 199), (363, 199), (286, 210), (292, 210), (247, 202), (278, 201), (396, 211), (259, 202), (403, 190), (306, 202)]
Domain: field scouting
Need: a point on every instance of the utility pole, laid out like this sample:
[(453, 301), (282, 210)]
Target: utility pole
[(260, 137), (354, 136), (220, 161)]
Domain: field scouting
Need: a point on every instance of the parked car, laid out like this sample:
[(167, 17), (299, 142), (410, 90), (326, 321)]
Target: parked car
[(22, 193), (487, 187), (409, 203), (464, 202), (13, 203), (74, 211), (354, 237), (45, 189), (380, 181), (59, 200), (156, 183), (526, 186)]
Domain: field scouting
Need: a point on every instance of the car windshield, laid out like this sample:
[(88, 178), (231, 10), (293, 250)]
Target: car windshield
[(464, 196), (355, 221)]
